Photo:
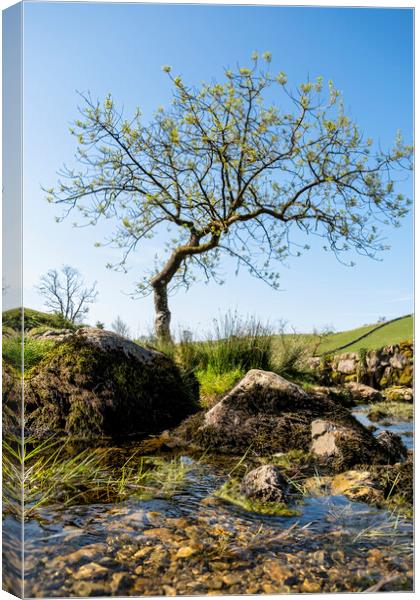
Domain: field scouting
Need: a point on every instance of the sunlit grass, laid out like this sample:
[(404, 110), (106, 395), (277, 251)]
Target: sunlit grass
[(50, 474), (213, 385), (34, 351)]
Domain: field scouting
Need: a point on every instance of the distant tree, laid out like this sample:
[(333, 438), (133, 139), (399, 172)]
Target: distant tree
[(381, 320), (66, 294), (100, 325), (224, 170), (120, 327)]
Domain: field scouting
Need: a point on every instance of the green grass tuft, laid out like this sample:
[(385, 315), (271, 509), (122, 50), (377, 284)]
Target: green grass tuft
[(213, 385), (34, 351), (51, 473)]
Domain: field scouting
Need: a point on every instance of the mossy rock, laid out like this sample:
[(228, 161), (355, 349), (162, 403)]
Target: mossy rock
[(97, 384), (398, 393), (350, 378), (269, 414), (231, 492), (405, 377)]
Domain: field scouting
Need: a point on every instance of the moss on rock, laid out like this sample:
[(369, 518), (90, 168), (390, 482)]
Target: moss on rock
[(99, 384)]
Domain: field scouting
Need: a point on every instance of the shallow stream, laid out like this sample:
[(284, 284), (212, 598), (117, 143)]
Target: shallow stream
[(193, 543)]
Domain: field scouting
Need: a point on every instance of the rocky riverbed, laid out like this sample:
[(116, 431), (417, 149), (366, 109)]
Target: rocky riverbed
[(195, 543)]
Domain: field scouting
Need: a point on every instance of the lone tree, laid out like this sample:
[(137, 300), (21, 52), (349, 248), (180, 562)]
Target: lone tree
[(66, 294), (232, 168)]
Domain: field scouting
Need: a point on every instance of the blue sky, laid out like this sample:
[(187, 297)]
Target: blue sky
[(120, 49)]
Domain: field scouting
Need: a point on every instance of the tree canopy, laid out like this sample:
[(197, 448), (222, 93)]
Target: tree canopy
[(232, 168)]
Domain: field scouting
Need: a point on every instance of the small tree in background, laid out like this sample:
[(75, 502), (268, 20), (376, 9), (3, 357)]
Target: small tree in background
[(66, 294), (225, 171), (120, 327)]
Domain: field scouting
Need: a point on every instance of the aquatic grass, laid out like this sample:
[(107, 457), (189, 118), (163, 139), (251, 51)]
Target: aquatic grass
[(47, 475), (388, 529), (230, 492), (50, 473), (398, 494)]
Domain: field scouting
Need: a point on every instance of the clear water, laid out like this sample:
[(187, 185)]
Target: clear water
[(327, 522)]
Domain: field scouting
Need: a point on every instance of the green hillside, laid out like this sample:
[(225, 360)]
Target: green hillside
[(390, 333)]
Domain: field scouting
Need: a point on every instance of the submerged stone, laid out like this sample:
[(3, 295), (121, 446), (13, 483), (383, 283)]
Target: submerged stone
[(265, 483)]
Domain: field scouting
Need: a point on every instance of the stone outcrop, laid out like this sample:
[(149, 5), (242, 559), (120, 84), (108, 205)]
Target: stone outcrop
[(362, 393), (56, 335), (266, 484), (270, 414), (388, 366), (398, 393), (96, 383)]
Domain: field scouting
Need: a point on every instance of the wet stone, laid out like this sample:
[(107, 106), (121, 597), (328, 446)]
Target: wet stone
[(120, 583), (91, 571)]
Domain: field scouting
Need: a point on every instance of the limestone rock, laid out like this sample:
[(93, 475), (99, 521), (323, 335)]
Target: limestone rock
[(347, 363), (97, 383), (265, 484), (363, 393), (341, 446), (398, 361), (270, 414)]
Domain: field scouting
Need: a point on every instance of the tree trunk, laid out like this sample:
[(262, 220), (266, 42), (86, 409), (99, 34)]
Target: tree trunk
[(163, 314)]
